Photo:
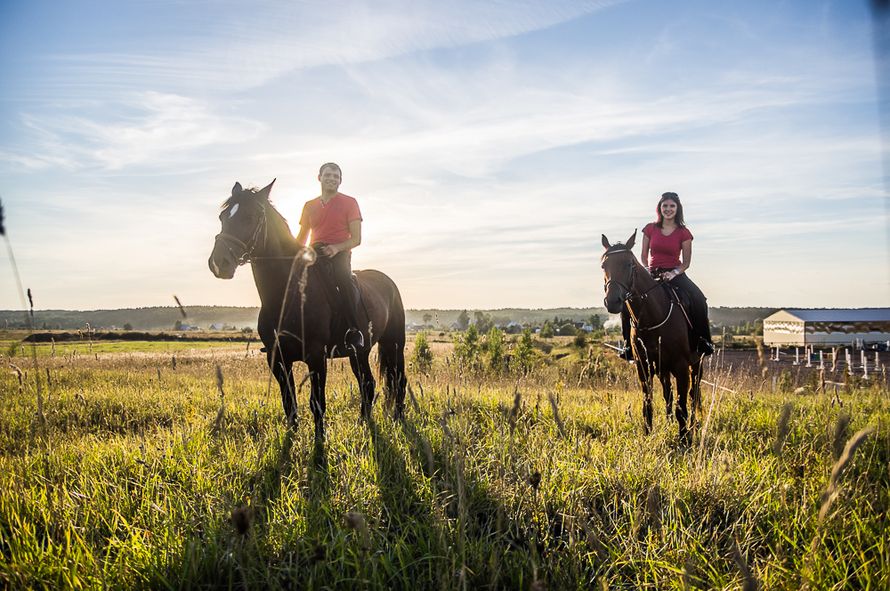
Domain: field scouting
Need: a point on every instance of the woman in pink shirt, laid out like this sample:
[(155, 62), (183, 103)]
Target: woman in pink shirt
[(667, 253)]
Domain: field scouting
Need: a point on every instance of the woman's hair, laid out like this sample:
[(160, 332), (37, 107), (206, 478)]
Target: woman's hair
[(669, 196)]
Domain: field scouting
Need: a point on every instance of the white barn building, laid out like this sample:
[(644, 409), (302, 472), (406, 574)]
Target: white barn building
[(801, 327)]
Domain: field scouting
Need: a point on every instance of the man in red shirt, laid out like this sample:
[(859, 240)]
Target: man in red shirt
[(334, 222)]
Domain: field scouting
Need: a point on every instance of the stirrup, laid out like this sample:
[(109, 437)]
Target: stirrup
[(627, 354), (354, 339)]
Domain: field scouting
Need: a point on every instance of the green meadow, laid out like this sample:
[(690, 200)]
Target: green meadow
[(129, 466)]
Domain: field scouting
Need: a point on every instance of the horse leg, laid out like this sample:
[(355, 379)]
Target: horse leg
[(283, 372), (695, 371), (682, 414), (318, 371), (667, 391), (644, 372), (361, 367), (392, 368)]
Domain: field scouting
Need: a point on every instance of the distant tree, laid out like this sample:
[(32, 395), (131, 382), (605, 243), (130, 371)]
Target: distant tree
[(247, 330), (427, 318), (423, 355), (128, 326), (177, 325), (595, 321), (566, 329), (580, 340), (523, 353), (463, 320), (494, 349), (466, 348), (547, 331), (482, 321)]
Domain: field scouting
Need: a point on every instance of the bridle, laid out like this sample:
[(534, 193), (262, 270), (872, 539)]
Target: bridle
[(247, 254), (630, 297)]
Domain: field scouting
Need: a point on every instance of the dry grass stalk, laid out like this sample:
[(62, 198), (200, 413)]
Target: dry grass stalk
[(222, 399), (653, 507), (837, 471), (413, 400), (559, 425), (514, 412), (180, 306), (782, 428), (749, 581), (19, 374)]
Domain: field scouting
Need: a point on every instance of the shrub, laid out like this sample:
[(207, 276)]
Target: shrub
[(467, 348), (494, 349), (523, 353), (423, 355)]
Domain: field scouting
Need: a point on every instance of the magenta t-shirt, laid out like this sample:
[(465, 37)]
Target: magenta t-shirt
[(664, 251), (329, 222)]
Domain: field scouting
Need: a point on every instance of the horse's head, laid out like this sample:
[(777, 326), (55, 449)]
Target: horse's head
[(619, 268), (244, 229)]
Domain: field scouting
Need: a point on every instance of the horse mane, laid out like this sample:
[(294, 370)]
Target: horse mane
[(277, 223)]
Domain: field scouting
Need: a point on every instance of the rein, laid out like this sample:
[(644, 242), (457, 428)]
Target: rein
[(630, 296)]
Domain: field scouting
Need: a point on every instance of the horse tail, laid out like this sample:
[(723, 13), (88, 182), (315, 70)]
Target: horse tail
[(391, 347)]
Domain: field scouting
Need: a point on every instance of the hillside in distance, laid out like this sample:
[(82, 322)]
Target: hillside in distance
[(166, 317)]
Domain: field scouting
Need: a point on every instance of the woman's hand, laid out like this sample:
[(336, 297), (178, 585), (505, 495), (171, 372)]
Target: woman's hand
[(669, 275), (329, 250)]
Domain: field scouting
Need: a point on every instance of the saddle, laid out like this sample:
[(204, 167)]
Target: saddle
[(682, 300)]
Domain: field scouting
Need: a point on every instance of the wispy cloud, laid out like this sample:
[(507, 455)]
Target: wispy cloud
[(150, 127), (249, 48)]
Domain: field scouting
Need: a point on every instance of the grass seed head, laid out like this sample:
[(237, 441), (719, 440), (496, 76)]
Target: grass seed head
[(782, 428), (242, 518), (840, 434), (356, 521), (833, 489)]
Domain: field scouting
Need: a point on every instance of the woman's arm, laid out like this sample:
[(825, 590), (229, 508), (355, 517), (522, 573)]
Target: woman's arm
[(685, 255), (644, 255)]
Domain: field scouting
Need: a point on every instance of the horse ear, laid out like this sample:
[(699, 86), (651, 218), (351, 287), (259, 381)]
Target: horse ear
[(606, 244), (630, 241), (264, 192), (236, 190)]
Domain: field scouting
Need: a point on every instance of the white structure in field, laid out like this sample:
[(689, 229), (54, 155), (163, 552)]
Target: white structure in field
[(801, 327)]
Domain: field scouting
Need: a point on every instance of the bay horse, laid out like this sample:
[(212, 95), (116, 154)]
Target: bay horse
[(300, 317), (659, 333)]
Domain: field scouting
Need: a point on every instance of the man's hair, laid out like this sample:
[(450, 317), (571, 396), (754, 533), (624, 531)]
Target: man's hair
[(330, 165)]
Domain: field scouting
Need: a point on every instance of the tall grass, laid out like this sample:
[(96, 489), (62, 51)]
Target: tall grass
[(489, 483)]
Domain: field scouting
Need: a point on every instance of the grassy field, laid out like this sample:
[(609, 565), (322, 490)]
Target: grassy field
[(137, 472)]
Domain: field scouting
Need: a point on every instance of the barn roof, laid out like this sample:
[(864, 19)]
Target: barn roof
[(832, 314)]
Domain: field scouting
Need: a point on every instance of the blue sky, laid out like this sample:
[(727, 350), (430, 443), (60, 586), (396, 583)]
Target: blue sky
[(489, 143)]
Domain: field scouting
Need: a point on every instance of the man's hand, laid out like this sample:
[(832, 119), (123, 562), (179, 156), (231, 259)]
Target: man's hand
[(329, 250)]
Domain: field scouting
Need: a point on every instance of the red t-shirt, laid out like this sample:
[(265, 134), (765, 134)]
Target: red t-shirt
[(329, 222), (664, 251)]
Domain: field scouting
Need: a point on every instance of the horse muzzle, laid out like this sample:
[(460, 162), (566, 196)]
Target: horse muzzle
[(613, 302), (221, 263)]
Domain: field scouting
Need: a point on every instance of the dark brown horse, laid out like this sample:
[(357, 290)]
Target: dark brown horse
[(659, 333), (299, 317)]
